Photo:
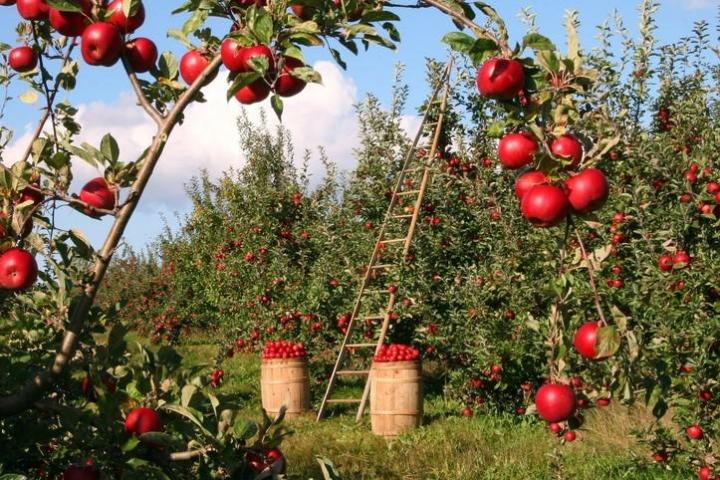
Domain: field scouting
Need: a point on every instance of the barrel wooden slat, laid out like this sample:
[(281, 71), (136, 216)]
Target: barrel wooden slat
[(285, 382), (396, 398)]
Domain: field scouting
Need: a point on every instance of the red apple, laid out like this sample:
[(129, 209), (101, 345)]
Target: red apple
[(585, 341), (30, 194), (695, 432), (124, 24), (81, 472), (587, 191), (22, 59), (141, 53), (97, 193), (665, 263), (237, 58), (304, 12), (681, 259), (33, 9), (71, 24), (555, 402), (192, 65), (517, 150), (544, 205), (256, 92), (7, 3), (570, 436), (142, 420), (286, 85), (568, 147), (18, 269), (500, 78), (528, 180), (101, 44), (705, 473)]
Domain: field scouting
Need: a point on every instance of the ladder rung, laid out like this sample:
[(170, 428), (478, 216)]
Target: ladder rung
[(374, 317), (348, 373), (395, 240), (344, 400), (379, 267), (402, 216), (375, 292), (408, 192), (413, 170), (361, 345)]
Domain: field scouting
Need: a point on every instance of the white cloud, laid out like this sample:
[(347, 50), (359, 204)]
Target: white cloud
[(322, 115)]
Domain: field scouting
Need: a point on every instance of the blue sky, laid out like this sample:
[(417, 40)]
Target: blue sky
[(421, 30)]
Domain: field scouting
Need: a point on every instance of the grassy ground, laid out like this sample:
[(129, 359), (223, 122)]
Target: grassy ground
[(451, 447)]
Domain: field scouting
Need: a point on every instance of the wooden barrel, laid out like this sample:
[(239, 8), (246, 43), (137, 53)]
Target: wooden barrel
[(396, 398), (285, 382)]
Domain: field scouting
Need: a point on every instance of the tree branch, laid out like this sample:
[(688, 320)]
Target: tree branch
[(34, 389), (591, 273), (142, 99)]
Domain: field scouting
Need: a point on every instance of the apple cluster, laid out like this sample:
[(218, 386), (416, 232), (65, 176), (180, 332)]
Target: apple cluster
[(397, 352), (283, 349), (545, 200), (216, 377), (102, 30), (270, 459)]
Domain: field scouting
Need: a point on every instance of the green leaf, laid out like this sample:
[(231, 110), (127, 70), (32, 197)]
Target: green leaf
[(81, 242), (538, 42), (608, 342), (180, 36), (459, 41), (244, 429), (307, 74), (196, 20), (168, 66), (327, 468), (277, 105), (263, 28), (64, 5), (110, 149), (186, 394)]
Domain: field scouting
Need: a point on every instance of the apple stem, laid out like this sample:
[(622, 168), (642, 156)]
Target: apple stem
[(591, 274)]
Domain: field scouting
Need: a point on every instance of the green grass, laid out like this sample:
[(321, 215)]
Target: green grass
[(492, 447)]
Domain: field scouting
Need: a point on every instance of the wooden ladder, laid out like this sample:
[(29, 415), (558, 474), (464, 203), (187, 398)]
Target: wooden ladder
[(411, 165)]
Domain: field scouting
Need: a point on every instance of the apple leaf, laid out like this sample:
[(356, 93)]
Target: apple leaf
[(168, 66), (244, 429), (538, 42), (459, 41), (338, 58), (186, 394), (262, 26), (608, 342), (110, 150), (196, 20), (277, 105), (307, 74), (64, 5), (327, 468), (379, 16)]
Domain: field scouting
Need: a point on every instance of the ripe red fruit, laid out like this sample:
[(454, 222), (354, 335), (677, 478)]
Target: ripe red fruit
[(587, 191), (97, 193), (192, 65), (665, 263), (660, 457), (500, 78), (18, 269), (704, 473), (570, 436), (6, 3), (30, 194), (467, 412), (517, 150), (713, 188), (567, 147), (681, 259), (125, 24), (71, 24), (585, 341), (555, 428), (101, 44), (694, 432), (603, 402), (256, 92), (555, 402), (141, 53), (528, 180), (81, 472), (33, 9), (544, 205), (286, 85), (142, 420), (238, 58), (22, 59)]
